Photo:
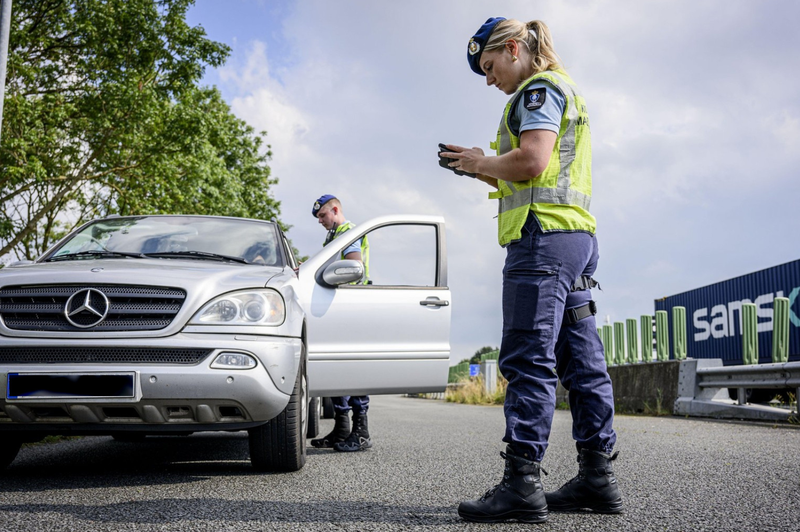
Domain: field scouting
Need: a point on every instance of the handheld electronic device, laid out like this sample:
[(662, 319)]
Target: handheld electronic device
[(444, 162)]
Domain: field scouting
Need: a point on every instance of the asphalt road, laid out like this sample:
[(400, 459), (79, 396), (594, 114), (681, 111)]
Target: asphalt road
[(675, 473)]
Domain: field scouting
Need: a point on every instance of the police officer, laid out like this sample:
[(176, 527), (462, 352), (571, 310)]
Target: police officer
[(542, 173), (328, 210)]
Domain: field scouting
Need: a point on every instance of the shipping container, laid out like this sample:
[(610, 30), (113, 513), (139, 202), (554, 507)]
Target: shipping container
[(714, 318)]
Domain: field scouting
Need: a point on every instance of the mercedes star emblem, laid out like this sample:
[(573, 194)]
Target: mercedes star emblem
[(86, 308)]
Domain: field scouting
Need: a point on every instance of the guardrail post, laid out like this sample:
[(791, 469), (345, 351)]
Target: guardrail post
[(662, 335), (749, 343), (607, 345), (630, 327), (646, 328), (489, 374), (749, 334), (619, 343), (780, 329), (679, 332)]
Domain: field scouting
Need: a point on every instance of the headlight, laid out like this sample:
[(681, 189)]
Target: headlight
[(257, 307)]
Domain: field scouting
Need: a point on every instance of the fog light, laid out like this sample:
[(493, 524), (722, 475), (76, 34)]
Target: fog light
[(233, 361)]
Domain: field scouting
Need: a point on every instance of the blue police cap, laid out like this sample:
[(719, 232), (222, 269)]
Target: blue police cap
[(478, 41), (320, 202)]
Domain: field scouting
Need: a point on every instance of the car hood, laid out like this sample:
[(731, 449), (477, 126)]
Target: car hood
[(177, 273)]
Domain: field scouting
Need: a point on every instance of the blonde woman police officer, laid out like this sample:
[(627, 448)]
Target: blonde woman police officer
[(542, 173)]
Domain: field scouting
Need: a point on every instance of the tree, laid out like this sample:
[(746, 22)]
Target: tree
[(104, 115), (476, 358)]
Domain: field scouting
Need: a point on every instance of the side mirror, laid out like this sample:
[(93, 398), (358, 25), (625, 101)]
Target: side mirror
[(343, 272)]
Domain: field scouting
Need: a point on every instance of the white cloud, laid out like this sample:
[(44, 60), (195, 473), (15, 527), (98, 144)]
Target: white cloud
[(693, 106)]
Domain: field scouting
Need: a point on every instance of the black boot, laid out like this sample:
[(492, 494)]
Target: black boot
[(358, 440), (519, 495), (341, 428), (594, 488)]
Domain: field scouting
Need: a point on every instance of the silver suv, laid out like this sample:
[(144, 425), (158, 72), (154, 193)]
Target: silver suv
[(152, 325)]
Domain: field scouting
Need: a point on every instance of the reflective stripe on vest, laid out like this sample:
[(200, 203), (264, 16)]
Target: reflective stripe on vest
[(364, 249), (560, 196)]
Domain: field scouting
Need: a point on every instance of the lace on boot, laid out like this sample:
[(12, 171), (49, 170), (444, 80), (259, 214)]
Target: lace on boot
[(358, 439), (503, 485)]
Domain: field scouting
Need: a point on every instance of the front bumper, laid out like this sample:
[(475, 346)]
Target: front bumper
[(166, 397)]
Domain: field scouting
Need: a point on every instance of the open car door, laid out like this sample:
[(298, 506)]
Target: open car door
[(391, 335)]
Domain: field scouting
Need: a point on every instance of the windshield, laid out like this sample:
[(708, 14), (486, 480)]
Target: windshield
[(177, 237)]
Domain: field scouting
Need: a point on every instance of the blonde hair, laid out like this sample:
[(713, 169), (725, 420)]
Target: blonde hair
[(535, 35)]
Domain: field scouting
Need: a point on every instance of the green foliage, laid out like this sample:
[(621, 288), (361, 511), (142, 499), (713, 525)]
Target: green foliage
[(476, 358), (104, 114)]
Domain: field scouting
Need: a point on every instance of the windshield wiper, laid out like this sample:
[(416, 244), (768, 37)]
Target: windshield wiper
[(96, 254), (197, 255)]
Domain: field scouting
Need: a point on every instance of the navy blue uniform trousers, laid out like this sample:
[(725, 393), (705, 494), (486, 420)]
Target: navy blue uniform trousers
[(342, 405), (537, 277)]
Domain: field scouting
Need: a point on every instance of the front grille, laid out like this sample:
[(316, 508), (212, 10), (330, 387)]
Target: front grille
[(101, 355), (130, 308)]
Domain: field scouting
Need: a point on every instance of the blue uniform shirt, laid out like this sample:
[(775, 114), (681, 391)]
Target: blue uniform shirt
[(354, 247), (548, 116)]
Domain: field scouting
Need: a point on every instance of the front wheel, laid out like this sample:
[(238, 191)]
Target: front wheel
[(280, 444)]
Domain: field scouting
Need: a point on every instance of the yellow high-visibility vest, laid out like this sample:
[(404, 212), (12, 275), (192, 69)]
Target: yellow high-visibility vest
[(560, 195), (364, 249)]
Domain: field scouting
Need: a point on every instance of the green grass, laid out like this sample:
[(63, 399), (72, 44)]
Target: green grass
[(473, 392)]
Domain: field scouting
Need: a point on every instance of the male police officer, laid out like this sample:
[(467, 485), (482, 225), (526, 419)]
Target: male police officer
[(328, 210)]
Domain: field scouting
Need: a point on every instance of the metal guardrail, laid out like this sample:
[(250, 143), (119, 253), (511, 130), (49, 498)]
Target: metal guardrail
[(703, 388), (780, 375)]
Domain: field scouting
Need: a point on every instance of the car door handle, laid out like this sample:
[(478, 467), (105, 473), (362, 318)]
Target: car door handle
[(434, 302)]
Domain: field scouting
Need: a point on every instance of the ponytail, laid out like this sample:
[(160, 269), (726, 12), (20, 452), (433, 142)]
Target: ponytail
[(535, 35)]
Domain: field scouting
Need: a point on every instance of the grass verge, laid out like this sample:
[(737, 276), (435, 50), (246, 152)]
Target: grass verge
[(473, 392)]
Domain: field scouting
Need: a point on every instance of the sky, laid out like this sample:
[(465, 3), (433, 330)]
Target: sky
[(694, 109)]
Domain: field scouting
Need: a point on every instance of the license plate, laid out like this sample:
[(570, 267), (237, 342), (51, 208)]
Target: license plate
[(70, 385)]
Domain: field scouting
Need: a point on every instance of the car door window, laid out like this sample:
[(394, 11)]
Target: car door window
[(390, 336), (403, 255)]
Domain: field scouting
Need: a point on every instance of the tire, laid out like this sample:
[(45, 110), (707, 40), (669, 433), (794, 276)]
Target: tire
[(9, 448), (314, 413), (327, 408), (280, 444)]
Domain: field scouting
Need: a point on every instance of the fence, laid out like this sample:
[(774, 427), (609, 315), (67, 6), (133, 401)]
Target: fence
[(615, 338), (703, 385), (460, 371)]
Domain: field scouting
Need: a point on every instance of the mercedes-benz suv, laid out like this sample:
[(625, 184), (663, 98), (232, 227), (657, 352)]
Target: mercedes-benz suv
[(146, 325)]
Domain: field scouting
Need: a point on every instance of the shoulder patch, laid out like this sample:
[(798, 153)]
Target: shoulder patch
[(534, 98)]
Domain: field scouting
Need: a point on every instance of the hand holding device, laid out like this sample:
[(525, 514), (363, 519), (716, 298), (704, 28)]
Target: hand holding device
[(444, 162)]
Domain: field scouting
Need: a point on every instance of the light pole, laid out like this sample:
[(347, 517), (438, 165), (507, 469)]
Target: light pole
[(5, 29)]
